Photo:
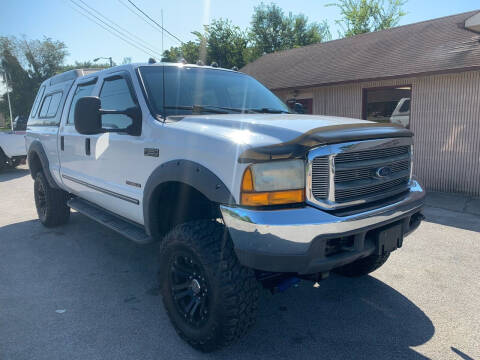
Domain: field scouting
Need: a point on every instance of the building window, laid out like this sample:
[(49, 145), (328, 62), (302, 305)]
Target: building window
[(388, 104)]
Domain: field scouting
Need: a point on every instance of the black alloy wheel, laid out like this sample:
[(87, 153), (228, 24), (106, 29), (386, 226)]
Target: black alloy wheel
[(51, 204), (40, 199), (210, 298), (189, 289)]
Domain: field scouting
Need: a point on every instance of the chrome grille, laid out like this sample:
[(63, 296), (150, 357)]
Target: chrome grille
[(320, 178), (353, 173), (371, 154), (369, 171), (349, 193)]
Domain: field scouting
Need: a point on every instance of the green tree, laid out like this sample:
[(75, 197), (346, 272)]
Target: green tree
[(228, 45), (190, 51), (83, 65), (271, 30), (225, 43), (362, 16), (28, 63), (303, 33), (221, 42), (43, 57)]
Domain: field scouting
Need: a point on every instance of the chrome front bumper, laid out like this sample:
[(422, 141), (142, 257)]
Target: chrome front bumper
[(294, 240)]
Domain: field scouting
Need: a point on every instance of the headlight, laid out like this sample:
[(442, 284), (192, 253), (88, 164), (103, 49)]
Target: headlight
[(274, 183)]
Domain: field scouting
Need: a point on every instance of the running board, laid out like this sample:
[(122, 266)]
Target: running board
[(124, 227)]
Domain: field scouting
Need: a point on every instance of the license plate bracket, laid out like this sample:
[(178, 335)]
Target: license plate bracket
[(389, 239)]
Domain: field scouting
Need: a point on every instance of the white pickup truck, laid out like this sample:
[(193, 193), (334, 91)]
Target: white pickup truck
[(12, 149), (239, 191)]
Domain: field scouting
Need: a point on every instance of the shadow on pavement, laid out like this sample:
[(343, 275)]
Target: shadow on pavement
[(452, 218), (105, 289), (344, 318), (11, 174), (461, 354), (453, 209)]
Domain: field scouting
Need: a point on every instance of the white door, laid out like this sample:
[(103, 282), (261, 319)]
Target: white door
[(71, 145), (102, 168)]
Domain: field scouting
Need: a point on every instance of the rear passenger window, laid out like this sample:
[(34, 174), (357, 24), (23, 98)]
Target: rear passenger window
[(81, 91), (50, 105), (37, 100), (54, 104), (45, 105), (115, 95)]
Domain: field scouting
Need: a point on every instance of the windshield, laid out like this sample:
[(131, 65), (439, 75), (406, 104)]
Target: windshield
[(192, 90)]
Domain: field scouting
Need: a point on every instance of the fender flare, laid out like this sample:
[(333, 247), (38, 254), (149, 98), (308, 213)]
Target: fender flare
[(187, 172), (36, 148)]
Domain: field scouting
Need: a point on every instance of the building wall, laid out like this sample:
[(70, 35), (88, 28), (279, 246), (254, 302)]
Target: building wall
[(445, 117)]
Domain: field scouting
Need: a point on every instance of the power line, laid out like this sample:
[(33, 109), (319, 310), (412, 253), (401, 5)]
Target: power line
[(123, 36), (160, 26), (132, 36), (137, 14), (111, 32)]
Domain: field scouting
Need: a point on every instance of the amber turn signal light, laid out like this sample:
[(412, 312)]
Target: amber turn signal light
[(273, 197), (249, 197)]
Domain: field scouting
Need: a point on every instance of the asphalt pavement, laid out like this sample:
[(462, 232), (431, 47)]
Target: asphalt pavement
[(81, 291)]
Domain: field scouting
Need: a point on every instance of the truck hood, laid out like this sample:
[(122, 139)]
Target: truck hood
[(272, 136)]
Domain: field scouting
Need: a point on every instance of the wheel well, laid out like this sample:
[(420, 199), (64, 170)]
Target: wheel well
[(34, 163), (174, 203)]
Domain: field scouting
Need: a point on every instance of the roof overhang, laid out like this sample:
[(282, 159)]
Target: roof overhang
[(379, 78)]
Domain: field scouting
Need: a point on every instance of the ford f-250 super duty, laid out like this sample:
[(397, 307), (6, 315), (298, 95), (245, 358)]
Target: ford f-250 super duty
[(238, 190)]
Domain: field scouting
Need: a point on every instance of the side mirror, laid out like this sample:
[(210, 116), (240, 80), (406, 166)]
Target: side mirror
[(87, 116), (298, 108)]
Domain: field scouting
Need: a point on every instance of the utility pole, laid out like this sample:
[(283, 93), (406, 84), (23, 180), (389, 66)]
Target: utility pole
[(162, 35), (5, 76)]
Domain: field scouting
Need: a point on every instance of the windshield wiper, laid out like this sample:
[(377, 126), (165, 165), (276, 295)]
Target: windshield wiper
[(200, 109), (225, 110), (269, 111)]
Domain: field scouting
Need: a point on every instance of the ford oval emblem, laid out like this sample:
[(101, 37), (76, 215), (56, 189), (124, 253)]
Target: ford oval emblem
[(383, 172)]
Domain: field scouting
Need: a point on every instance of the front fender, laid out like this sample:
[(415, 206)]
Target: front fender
[(187, 172)]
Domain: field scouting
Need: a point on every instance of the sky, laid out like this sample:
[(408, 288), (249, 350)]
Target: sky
[(60, 20)]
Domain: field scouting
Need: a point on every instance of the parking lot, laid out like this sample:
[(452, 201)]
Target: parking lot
[(83, 292)]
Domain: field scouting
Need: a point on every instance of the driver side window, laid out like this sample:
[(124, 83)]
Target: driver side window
[(115, 95)]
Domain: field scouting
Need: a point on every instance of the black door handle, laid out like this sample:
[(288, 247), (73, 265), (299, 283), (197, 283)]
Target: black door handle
[(62, 143), (87, 146)]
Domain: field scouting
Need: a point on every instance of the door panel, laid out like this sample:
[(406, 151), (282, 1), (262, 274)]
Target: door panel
[(115, 158), (72, 154)]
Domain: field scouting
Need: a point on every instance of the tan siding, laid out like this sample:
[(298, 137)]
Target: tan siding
[(447, 131), (445, 117)]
